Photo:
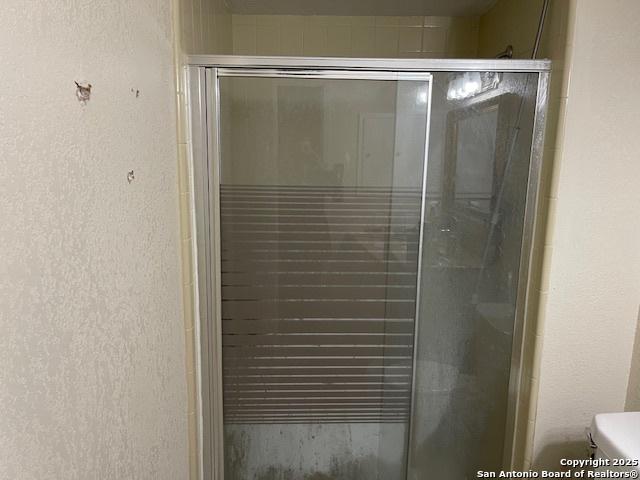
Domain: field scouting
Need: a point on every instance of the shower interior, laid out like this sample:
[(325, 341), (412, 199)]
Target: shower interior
[(363, 243)]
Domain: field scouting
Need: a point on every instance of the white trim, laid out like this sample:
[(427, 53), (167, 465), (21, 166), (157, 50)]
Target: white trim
[(380, 64)]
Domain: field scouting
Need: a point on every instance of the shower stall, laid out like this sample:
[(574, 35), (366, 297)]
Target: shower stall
[(363, 234)]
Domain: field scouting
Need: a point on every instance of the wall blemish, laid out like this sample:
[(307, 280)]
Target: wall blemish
[(83, 92)]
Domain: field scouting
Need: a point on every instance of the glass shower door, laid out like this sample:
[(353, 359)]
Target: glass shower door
[(321, 195), (477, 187)]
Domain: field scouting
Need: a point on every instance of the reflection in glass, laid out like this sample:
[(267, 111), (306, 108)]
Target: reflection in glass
[(476, 189)]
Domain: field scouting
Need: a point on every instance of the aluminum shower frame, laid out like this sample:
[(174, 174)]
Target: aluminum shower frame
[(203, 126)]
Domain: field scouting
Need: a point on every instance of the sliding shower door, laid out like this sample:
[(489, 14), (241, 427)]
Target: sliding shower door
[(321, 181)]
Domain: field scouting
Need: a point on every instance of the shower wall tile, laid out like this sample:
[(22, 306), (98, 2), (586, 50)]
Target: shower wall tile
[(187, 295), (343, 36), (289, 20), (187, 258), (268, 20), (192, 422), (340, 20), (551, 221), (409, 54), (561, 123), (362, 21), (554, 174), (207, 23), (244, 19), (556, 85), (411, 21), (538, 339), (545, 178), (387, 21), (553, 108), (183, 168), (186, 25), (197, 32), (410, 39), (190, 352), (185, 226), (462, 37), (244, 39), (386, 42), (363, 41), (339, 40), (528, 451), (267, 39), (434, 39), (316, 20), (181, 125), (315, 40), (432, 55), (444, 22), (292, 40)]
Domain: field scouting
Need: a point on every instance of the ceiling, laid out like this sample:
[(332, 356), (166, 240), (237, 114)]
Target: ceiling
[(361, 7)]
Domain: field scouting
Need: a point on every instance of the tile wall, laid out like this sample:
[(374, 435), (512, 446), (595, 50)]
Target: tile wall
[(356, 36)]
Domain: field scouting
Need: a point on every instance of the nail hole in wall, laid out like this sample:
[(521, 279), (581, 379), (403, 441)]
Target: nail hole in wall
[(83, 92)]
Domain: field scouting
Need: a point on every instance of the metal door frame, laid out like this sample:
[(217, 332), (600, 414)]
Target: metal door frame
[(203, 100)]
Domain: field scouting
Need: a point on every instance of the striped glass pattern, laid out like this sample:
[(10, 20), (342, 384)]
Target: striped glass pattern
[(318, 309), (320, 201)]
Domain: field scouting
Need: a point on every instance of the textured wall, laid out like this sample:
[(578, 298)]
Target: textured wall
[(91, 336)]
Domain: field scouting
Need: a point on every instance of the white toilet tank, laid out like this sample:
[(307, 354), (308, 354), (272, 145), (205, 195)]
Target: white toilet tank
[(617, 440)]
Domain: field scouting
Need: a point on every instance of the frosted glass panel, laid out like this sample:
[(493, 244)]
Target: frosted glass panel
[(477, 179), (321, 194)]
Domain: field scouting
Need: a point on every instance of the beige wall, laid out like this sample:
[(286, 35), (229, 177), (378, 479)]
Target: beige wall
[(411, 37), (91, 340)]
